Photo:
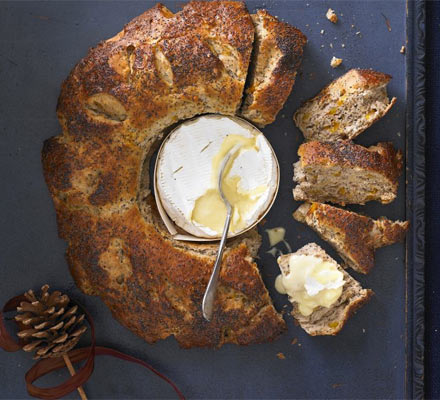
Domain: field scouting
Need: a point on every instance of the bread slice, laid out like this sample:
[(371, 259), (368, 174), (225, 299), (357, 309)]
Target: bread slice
[(344, 172), (328, 320), (277, 54), (346, 107), (355, 237)]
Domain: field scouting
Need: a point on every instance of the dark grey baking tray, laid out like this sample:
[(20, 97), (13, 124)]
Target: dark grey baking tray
[(379, 354)]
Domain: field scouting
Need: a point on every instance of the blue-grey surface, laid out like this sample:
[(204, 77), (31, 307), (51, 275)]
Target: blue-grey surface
[(39, 44)]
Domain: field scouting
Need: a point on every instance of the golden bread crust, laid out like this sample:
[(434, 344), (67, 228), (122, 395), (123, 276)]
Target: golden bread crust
[(354, 79), (113, 109), (366, 78), (156, 289), (354, 236), (381, 158), (278, 56), (359, 91)]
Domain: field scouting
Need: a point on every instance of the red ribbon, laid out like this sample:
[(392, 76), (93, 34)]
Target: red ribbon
[(48, 365)]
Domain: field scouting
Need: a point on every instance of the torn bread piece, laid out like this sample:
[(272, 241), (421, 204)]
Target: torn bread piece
[(346, 107), (277, 54), (343, 172), (310, 273), (355, 237)]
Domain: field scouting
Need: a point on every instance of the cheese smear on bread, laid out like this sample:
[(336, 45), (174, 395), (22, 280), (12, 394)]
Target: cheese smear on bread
[(187, 175), (311, 282)]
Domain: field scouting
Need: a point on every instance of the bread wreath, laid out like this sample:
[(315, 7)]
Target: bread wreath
[(114, 109)]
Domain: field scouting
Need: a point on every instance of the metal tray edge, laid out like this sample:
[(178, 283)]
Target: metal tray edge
[(415, 193)]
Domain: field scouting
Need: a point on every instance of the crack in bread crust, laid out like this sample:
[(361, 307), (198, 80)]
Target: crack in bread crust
[(277, 55), (114, 107)]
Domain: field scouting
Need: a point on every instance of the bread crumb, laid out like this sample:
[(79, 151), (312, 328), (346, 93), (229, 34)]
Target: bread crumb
[(363, 330), (331, 16), (402, 50), (358, 32), (335, 62), (352, 26), (342, 45), (294, 341), (281, 356), (322, 31), (299, 345), (331, 45), (322, 46)]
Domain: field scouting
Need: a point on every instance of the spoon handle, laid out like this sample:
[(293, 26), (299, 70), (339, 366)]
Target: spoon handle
[(211, 289)]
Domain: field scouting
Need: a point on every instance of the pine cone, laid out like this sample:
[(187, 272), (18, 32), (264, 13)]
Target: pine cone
[(49, 325)]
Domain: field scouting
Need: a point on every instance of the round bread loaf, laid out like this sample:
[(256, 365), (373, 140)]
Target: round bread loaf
[(114, 108)]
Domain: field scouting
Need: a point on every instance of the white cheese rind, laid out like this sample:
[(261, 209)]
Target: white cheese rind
[(184, 169)]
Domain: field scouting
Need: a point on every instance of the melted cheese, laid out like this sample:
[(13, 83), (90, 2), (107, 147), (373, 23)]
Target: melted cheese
[(276, 235), (311, 283), (275, 252), (279, 286), (209, 209)]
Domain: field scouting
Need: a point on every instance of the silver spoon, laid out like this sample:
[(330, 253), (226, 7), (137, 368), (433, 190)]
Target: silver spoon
[(211, 289)]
